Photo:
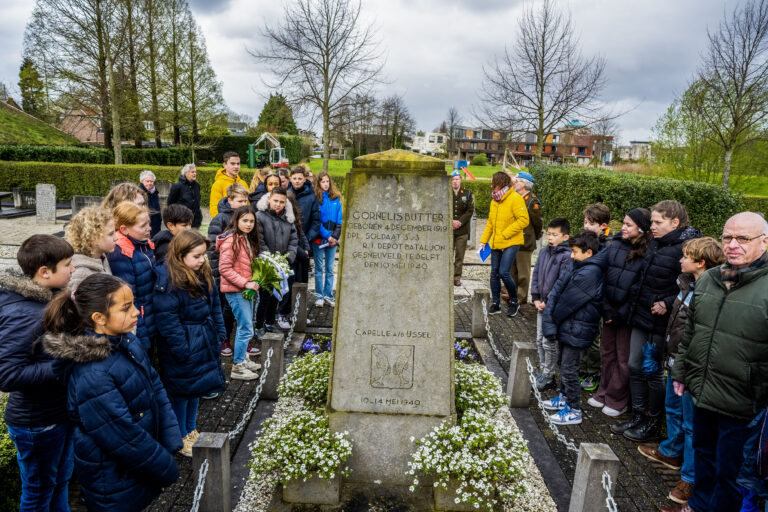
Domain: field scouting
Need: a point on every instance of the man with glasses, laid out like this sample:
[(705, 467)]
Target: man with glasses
[(723, 362)]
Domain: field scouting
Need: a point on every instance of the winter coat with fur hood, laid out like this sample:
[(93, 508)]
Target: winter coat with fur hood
[(234, 273), (85, 266), (134, 262), (37, 393), (125, 431), (190, 331), (277, 233)]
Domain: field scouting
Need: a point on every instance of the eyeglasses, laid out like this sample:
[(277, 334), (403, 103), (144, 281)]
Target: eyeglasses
[(741, 240)]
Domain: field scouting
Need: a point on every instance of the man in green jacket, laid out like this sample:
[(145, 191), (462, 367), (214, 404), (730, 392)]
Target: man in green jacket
[(463, 208), (723, 362)]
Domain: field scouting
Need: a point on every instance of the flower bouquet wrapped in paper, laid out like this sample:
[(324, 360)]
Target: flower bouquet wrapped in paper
[(271, 271)]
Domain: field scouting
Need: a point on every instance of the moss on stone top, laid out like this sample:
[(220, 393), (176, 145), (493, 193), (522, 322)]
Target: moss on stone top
[(398, 160)]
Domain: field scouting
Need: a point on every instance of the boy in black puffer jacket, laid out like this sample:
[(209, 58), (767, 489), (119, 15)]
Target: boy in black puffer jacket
[(649, 316), (552, 262), (571, 317), (175, 217)]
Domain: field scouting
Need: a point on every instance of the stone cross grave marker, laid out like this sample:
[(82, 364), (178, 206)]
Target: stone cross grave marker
[(392, 370), (45, 203)]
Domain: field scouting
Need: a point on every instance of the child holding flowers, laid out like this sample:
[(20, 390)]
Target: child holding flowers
[(237, 247)]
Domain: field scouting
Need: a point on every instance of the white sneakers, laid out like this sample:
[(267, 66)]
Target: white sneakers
[(283, 323), (241, 372), (251, 365), (319, 302), (610, 411), (594, 402)]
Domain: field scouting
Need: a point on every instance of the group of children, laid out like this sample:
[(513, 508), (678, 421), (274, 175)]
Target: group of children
[(83, 319), (627, 294)]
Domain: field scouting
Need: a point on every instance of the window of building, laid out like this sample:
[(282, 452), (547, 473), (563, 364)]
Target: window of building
[(476, 135), (527, 148), (473, 145), (582, 150), (439, 139), (458, 133), (431, 138)]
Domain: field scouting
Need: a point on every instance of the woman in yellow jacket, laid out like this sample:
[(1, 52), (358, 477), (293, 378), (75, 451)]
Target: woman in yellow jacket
[(504, 232)]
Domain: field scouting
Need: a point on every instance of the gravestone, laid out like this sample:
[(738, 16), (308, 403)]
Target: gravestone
[(45, 204), (392, 363), (23, 199), (163, 187), (80, 202)]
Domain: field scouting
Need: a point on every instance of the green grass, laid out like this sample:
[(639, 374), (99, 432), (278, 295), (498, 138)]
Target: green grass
[(19, 128), (342, 167)]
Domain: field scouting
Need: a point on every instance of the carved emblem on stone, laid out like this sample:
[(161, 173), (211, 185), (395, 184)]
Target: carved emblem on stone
[(392, 366)]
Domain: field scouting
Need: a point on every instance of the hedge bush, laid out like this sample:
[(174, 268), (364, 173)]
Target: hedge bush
[(84, 155), (565, 191), (756, 204), (10, 480), (93, 179), (480, 159)]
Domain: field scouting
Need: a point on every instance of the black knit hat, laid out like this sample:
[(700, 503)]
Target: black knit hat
[(641, 217)]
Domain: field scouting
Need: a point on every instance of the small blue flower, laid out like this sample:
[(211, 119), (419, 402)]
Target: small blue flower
[(307, 344), (464, 353)]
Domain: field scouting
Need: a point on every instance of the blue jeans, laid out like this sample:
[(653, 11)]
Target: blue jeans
[(679, 441), (243, 311), (501, 262), (324, 263), (46, 460), (186, 413), (718, 442)]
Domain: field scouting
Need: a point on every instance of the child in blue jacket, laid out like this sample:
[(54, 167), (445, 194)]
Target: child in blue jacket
[(125, 432), (190, 330), (324, 249), (572, 317)]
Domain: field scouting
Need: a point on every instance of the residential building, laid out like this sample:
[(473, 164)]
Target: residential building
[(637, 150), (430, 143), (469, 142), (574, 143), (83, 124)]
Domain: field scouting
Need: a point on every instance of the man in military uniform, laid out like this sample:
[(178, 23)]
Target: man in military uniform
[(521, 269), (463, 208)]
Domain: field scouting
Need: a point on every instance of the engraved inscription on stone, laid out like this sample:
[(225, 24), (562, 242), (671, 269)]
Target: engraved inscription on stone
[(392, 366), (45, 204)]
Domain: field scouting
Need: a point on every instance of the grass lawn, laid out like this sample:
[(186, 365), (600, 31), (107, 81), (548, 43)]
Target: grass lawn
[(342, 167), (19, 128)]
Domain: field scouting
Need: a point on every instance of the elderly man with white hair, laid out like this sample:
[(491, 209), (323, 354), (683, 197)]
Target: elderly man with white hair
[(723, 362), (147, 184), (521, 268), (187, 192)]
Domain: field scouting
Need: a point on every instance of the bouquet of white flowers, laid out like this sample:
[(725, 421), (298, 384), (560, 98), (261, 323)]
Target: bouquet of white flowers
[(271, 271)]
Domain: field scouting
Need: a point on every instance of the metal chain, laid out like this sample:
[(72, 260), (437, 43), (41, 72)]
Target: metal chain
[(200, 484), (461, 301), (293, 322), (560, 437), (501, 357), (252, 405), (609, 502)]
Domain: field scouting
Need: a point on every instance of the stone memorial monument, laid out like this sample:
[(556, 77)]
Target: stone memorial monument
[(45, 203), (392, 363)]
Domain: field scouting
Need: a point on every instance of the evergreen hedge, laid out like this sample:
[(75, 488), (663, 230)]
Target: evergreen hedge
[(756, 204), (565, 191), (10, 480), (93, 155), (93, 179)]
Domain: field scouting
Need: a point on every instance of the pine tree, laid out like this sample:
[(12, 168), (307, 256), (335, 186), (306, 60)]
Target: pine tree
[(32, 89), (277, 116)]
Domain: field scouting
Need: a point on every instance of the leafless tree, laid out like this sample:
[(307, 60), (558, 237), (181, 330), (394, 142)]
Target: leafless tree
[(608, 131), (452, 120), (322, 54), (731, 85), (543, 80)]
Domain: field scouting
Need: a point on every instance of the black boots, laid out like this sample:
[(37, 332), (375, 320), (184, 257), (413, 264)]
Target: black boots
[(635, 420), (648, 429)]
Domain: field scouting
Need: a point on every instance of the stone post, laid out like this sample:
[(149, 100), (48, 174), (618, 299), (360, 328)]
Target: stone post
[(299, 290), (472, 242), (275, 341), (478, 319), (45, 203), (217, 493), (518, 385), (588, 493)]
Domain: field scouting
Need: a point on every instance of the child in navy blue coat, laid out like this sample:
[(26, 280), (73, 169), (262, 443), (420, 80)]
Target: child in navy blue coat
[(572, 317), (125, 432), (190, 330), (133, 261)]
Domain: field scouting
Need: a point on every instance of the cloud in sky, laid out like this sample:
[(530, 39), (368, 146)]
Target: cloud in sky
[(435, 49)]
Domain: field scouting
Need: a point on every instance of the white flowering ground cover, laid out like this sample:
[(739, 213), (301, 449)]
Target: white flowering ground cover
[(485, 447)]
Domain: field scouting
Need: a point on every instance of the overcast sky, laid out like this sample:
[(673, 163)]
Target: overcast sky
[(435, 49)]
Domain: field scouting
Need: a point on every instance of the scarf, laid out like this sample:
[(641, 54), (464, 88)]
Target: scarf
[(731, 276), (497, 195)]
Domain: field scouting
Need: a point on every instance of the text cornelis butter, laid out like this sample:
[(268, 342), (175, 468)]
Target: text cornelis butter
[(399, 216)]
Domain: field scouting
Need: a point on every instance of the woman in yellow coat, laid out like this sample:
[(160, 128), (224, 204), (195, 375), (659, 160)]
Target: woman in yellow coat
[(504, 232)]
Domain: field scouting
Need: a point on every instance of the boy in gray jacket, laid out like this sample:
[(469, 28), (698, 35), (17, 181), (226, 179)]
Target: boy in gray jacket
[(552, 261)]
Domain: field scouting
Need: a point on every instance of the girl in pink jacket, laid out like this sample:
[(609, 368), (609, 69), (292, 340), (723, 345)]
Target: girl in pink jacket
[(237, 246)]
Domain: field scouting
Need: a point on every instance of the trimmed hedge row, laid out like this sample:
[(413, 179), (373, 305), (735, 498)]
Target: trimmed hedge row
[(293, 145), (93, 179), (565, 191), (756, 204), (92, 155)]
